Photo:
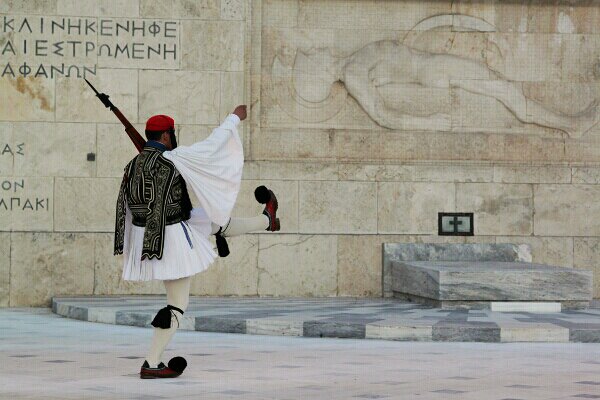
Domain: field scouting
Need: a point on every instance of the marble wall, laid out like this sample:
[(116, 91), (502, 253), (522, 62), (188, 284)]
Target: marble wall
[(366, 117)]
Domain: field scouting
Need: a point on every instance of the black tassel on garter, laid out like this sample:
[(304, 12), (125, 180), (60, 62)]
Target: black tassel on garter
[(163, 317)]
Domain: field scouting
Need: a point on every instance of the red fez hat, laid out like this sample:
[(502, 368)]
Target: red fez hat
[(160, 123)]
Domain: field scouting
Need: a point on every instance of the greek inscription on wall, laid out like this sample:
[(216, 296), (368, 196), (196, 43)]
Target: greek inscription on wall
[(49, 47)]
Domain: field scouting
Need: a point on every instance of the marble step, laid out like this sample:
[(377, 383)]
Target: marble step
[(465, 284)]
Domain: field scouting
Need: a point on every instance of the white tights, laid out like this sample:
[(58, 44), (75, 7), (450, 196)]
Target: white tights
[(178, 290)]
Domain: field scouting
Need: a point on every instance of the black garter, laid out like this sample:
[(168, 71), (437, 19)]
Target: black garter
[(163, 317)]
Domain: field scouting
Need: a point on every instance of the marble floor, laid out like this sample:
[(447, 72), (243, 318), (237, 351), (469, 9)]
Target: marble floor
[(47, 356)]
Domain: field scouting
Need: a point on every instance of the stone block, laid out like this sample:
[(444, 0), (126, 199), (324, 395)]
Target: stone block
[(499, 209), (27, 99), (273, 326), (283, 13), (287, 197), (294, 144), (297, 265), (193, 97), (50, 264), (115, 149), (232, 92), (359, 265), (109, 270), (589, 175), (566, 210), (412, 208), (338, 207), (9, 149), (297, 171), (542, 333), (184, 9), (129, 50), (398, 16), (213, 45), (485, 281), (57, 149), (582, 51), (46, 7), (531, 174), (26, 204), (334, 329), (545, 250), (4, 269), (237, 274), (85, 205), (456, 332), (116, 8), (224, 325), (443, 248), (76, 102), (415, 173), (233, 10), (586, 254), (414, 333)]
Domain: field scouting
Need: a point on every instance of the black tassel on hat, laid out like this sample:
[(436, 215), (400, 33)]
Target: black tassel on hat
[(163, 317)]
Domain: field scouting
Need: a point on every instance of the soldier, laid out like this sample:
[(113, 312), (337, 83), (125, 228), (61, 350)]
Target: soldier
[(162, 236)]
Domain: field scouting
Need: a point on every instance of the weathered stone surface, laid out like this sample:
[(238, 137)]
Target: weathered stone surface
[(4, 269), (586, 253), (232, 92), (410, 333), (115, 149), (543, 333), (297, 265), (565, 210), (94, 207), (116, 8), (28, 6), (282, 13), (416, 173), (108, 270), (589, 175), (234, 9), (26, 204), (456, 332), (50, 264), (76, 102), (444, 248), (338, 207), (274, 326), (359, 265), (193, 97), (490, 281), (204, 9), (530, 174), (212, 45), (498, 209), (58, 149), (300, 171), (412, 208), (235, 275), (545, 250), (31, 99)]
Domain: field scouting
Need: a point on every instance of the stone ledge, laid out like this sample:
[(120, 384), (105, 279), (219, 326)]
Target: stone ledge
[(357, 318)]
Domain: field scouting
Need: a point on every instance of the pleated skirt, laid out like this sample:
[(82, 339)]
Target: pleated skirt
[(187, 250)]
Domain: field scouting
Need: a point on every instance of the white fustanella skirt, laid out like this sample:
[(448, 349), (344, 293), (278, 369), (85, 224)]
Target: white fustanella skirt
[(187, 250)]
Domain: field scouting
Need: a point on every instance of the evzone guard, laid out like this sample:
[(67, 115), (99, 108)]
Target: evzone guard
[(158, 231)]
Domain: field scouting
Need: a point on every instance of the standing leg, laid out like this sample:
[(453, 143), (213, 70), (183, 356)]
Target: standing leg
[(178, 295)]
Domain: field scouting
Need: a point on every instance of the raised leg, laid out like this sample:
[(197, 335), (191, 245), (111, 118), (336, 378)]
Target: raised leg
[(240, 226)]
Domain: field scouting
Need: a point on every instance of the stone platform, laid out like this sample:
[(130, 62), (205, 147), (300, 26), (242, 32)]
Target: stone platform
[(388, 319), (452, 284), (482, 276)]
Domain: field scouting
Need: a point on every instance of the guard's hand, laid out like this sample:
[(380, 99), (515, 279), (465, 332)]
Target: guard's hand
[(240, 111)]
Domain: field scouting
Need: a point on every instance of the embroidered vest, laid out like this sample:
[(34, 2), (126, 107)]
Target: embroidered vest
[(156, 195)]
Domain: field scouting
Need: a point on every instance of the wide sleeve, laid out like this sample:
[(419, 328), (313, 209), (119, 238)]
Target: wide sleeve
[(213, 169)]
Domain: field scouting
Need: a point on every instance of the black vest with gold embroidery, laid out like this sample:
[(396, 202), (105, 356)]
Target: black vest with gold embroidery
[(156, 195)]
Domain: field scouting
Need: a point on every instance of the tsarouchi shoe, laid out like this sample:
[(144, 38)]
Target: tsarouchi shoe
[(175, 368), (267, 197)]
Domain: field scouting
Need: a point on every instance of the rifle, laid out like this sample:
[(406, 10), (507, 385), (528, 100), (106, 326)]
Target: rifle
[(138, 141)]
